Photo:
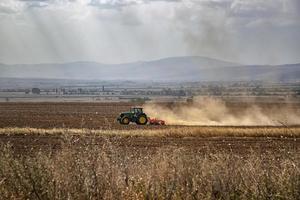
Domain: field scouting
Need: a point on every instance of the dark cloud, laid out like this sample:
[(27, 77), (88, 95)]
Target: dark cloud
[(7, 10), (35, 0), (118, 4), (224, 4), (160, 0)]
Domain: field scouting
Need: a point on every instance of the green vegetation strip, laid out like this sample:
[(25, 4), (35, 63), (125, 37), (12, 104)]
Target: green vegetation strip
[(168, 132)]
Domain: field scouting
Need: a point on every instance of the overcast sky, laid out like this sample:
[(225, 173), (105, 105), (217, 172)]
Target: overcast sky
[(117, 31)]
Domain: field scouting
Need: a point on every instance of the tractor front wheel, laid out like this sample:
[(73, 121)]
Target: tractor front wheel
[(125, 120)]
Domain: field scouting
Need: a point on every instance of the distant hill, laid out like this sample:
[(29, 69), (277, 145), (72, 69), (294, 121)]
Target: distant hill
[(168, 69)]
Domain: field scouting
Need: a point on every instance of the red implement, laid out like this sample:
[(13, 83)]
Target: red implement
[(155, 121)]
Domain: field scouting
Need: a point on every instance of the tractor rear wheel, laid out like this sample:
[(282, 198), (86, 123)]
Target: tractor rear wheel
[(142, 120), (125, 120)]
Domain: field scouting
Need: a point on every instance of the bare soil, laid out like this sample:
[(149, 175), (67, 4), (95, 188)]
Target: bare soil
[(89, 115), (102, 116), (27, 144)]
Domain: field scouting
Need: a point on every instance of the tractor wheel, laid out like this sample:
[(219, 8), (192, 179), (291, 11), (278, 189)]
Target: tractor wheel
[(125, 121), (142, 120)]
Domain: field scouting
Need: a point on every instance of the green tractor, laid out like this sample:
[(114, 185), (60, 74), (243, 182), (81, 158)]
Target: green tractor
[(135, 115)]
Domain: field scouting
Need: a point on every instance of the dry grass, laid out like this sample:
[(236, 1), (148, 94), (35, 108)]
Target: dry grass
[(109, 171), (169, 132), (93, 172)]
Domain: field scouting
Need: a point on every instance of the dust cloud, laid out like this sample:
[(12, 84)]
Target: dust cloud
[(215, 112)]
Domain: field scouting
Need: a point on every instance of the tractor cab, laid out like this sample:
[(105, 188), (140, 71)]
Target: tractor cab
[(136, 110), (135, 115)]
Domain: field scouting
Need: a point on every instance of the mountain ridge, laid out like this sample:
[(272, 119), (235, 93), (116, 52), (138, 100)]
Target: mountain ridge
[(184, 68)]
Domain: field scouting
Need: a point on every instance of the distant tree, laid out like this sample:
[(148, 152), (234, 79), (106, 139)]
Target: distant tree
[(140, 100), (181, 93), (36, 91)]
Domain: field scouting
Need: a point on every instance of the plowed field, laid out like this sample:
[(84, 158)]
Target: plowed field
[(86, 115), (101, 116)]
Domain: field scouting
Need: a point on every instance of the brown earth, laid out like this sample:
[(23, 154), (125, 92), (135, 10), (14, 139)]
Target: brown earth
[(25, 144), (88, 115), (102, 116), (58, 115)]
